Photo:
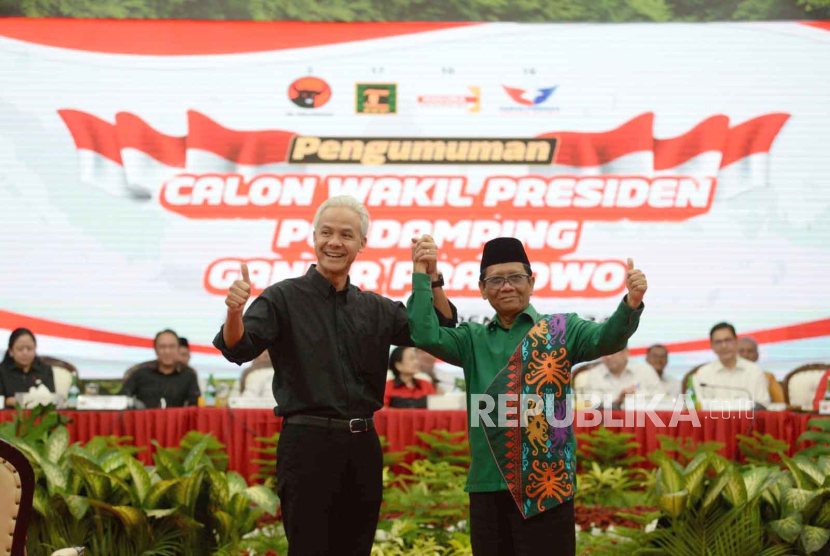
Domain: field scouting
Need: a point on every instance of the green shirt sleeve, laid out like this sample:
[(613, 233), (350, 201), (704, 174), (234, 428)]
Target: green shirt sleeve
[(448, 344), (590, 340)]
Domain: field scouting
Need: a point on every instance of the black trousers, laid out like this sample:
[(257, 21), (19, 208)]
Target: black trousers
[(497, 528), (330, 485)]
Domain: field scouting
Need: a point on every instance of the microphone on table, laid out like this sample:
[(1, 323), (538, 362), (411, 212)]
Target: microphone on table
[(756, 406)]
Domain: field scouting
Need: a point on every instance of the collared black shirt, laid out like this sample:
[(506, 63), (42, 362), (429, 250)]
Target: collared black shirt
[(14, 380), (330, 349), (150, 385)]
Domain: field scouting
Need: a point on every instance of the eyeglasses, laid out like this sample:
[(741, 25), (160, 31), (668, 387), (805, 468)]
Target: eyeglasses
[(725, 342), (516, 280)]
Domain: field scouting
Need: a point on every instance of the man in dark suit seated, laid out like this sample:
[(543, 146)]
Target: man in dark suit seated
[(165, 382)]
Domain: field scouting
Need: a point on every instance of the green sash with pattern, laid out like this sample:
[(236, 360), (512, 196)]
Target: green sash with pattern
[(537, 461)]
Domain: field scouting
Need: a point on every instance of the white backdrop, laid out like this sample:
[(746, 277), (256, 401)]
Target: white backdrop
[(132, 185)]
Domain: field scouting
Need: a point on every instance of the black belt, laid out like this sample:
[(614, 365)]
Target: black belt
[(346, 425)]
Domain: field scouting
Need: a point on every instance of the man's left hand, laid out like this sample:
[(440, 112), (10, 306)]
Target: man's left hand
[(636, 284), (425, 251)]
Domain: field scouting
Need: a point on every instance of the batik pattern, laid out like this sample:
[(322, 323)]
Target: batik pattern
[(535, 456)]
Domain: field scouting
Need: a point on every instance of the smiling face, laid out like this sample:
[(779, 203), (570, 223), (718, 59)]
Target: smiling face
[(337, 241), (724, 344), (510, 298)]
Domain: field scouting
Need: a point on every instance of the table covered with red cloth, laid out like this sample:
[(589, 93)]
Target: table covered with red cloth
[(238, 428)]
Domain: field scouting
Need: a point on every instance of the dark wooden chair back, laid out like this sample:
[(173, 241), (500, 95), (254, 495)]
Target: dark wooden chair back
[(17, 479)]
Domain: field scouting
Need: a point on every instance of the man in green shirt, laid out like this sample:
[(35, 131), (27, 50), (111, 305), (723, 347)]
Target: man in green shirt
[(522, 478)]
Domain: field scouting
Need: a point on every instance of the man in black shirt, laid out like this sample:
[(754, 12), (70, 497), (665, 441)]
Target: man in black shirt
[(165, 378), (329, 342)]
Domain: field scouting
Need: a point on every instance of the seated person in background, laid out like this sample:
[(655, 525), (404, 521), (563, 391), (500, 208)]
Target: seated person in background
[(730, 377), (748, 349), (166, 378), (184, 351), (405, 390), (21, 368), (620, 376), (259, 378), (426, 365), (658, 357), (821, 390)]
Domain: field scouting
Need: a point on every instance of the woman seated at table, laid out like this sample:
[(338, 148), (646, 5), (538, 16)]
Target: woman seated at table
[(406, 391), (21, 368)]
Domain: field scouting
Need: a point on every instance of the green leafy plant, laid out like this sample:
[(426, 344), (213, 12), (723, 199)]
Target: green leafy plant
[(34, 425), (467, 10), (451, 447), (819, 433), (761, 449), (682, 450), (614, 486), (713, 506), (267, 458), (208, 445), (608, 448), (100, 496), (430, 494)]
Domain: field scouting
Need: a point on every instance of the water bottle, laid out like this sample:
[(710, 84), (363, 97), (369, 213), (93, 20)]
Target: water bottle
[(74, 391), (210, 392), (690, 393)]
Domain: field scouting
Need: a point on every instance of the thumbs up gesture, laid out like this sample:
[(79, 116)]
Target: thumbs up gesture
[(239, 292), (636, 284)]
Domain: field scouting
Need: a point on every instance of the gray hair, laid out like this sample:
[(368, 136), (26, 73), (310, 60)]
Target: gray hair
[(349, 202)]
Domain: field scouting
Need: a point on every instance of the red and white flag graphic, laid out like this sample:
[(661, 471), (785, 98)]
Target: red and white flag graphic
[(130, 157)]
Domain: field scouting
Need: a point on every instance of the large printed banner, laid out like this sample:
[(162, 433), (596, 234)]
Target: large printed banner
[(142, 162)]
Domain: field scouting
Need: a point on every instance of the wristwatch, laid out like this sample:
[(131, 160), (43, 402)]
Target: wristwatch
[(440, 282)]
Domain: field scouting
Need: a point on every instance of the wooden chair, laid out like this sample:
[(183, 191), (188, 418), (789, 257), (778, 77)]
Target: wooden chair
[(129, 372), (17, 490), (581, 370), (55, 362), (689, 373), (62, 372), (800, 399)]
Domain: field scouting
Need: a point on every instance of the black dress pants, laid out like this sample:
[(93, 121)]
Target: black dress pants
[(497, 528), (330, 484)]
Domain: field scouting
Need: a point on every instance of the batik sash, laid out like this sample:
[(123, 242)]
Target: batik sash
[(537, 461)]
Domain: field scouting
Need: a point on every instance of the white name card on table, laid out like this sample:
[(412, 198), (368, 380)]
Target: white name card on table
[(104, 403), (2, 402), (824, 407), (450, 401), (777, 406), (252, 403)]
